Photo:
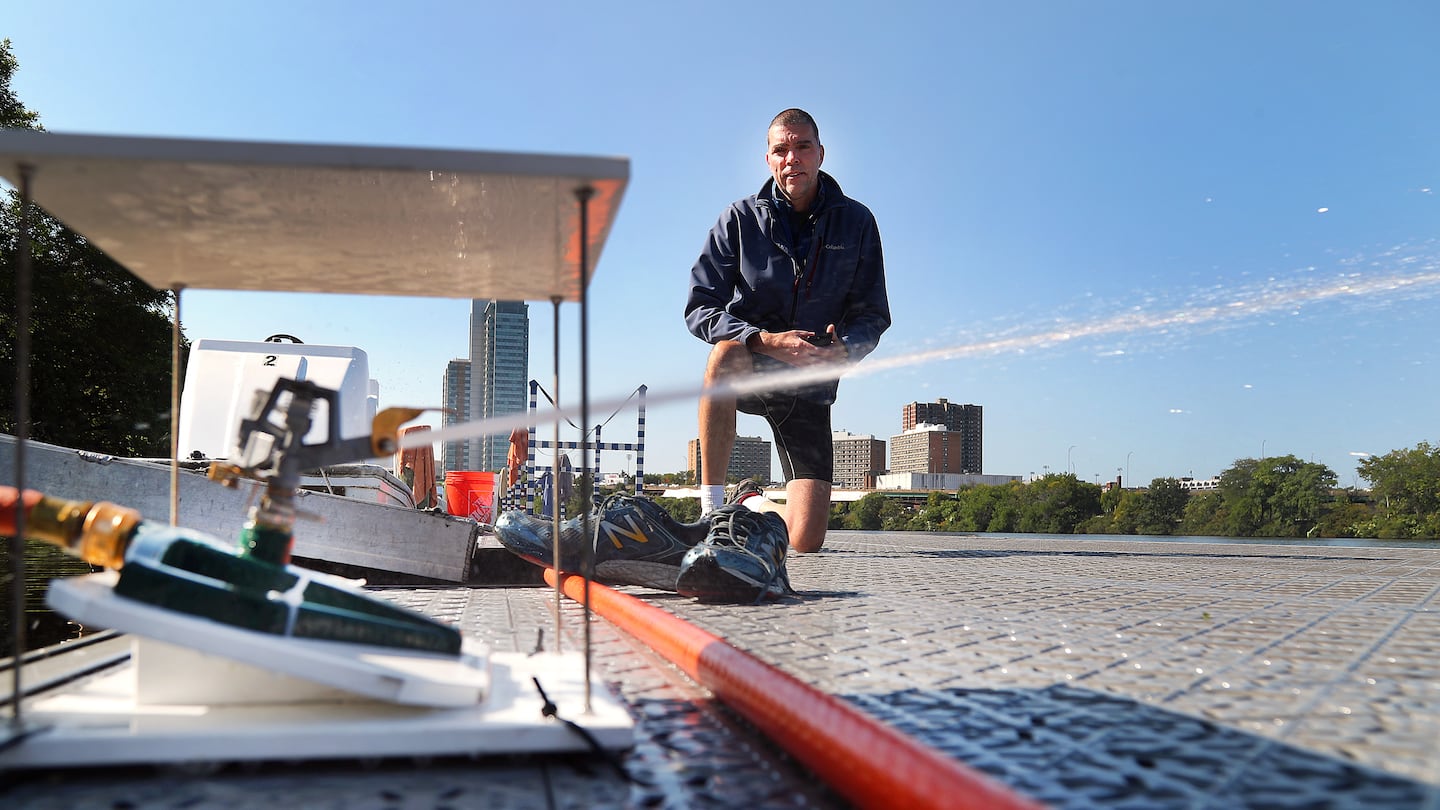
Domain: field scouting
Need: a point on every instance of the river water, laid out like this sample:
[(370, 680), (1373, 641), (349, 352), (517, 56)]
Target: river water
[(44, 627)]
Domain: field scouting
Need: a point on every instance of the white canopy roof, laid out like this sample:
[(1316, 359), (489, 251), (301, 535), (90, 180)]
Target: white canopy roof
[(318, 218)]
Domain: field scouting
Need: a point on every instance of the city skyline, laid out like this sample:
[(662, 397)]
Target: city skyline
[(1157, 238)]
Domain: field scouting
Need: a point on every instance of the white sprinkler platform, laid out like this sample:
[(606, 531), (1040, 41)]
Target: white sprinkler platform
[(200, 691)]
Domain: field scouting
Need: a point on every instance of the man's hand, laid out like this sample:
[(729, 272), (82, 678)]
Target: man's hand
[(801, 348)]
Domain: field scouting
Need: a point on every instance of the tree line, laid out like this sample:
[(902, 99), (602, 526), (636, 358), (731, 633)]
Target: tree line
[(99, 337), (1279, 496)]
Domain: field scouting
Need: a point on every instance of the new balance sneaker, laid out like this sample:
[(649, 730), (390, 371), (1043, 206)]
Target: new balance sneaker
[(636, 541), (742, 559), (736, 493)]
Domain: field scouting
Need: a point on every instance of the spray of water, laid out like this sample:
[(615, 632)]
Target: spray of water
[(1419, 276)]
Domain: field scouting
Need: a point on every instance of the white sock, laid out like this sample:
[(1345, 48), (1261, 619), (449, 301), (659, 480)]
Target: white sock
[(760, 503), (711, 496)]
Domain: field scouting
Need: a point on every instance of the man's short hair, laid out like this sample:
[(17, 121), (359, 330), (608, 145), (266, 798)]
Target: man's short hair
[(794, 117)]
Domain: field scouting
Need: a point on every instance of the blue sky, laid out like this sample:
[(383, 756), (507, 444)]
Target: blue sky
[(1185, 190)]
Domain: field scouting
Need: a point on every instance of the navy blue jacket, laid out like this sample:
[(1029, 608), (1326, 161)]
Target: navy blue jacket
[(751, 277)]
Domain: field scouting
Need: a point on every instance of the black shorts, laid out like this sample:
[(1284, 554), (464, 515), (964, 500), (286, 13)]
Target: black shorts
[(802, 432)]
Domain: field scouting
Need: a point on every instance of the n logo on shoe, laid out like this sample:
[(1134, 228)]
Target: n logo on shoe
[(614, 531)]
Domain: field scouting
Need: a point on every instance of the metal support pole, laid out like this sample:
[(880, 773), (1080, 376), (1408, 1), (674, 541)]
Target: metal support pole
[(583, 195), (22, 435), (599, 445), (175, 411), (640, 447), (530, 486), (556, 506)]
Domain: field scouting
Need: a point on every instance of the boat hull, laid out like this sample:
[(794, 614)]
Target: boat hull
[(348, 531)]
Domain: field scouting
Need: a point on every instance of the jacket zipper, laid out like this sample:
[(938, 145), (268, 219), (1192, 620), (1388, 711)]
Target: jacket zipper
[(817, 245)]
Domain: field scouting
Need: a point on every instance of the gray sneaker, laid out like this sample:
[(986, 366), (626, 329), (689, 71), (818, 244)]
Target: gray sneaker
[(636, 542), (742, 559), (735, 493)]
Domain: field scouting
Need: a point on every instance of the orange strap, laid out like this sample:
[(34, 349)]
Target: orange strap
[(870, 763)]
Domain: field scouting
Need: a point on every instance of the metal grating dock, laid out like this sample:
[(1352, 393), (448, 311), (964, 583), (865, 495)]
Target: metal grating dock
[(1081, 673)]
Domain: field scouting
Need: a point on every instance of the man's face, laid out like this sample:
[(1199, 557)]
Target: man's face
[(795, 155)]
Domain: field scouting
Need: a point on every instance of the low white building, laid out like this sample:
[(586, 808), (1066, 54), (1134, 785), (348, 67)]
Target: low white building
[(1200, 483), (939, 481)]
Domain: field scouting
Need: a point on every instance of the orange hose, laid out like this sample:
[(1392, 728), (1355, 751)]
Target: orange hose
[(868, 762), (8, 497)]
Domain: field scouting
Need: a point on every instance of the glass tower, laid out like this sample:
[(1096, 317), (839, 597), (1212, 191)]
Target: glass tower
[(456, 397), (499, 373)]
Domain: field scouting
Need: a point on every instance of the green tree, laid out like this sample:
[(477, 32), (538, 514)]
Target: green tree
[(1204, 515), (896, 517), (866, 512), (1161, 507), (985, 508), (13, 114), (975, 506), (1058, 504), (685, 510), (1406, 487), (1274, 497), (1110, 499), (1126, 517), (940, 514), (1347, 516), (100, 338)]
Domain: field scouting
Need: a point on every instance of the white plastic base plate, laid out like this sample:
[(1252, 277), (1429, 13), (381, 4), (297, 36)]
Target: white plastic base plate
[(383, 673), (189, 714)]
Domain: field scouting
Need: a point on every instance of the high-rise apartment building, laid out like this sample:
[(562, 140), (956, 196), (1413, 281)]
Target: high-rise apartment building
[(749, 459), (499, 373), (966, 420), (858, 459), (929, 449), (456, 396), (493, 382)]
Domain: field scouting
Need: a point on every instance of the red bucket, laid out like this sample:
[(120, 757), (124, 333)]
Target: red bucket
[(470, 494)]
